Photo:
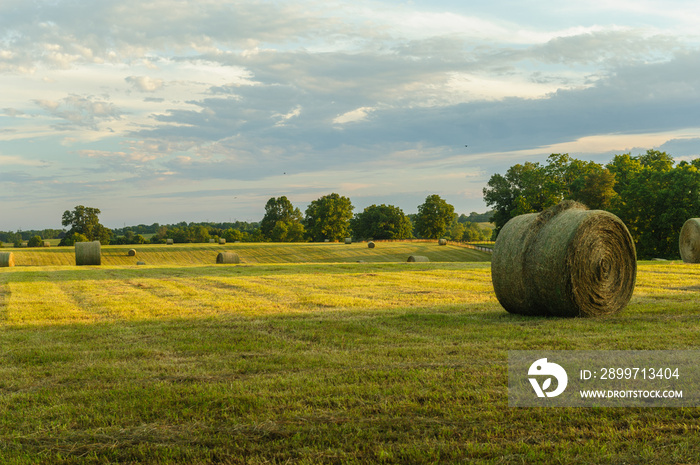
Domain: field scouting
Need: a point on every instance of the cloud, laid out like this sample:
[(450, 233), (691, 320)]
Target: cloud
[(80, 111), (145, 83)]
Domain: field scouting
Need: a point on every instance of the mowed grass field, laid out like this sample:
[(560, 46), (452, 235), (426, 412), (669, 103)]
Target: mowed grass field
[(313, 363), (203, 254)]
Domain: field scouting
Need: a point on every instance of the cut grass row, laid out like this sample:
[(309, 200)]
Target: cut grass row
[(313, 363), (202, 254)]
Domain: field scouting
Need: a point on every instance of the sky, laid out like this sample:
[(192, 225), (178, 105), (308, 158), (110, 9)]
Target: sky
[(202, 110)]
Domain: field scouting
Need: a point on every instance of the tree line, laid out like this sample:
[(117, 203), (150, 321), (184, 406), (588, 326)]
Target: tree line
[(329, 218), (651, 193)]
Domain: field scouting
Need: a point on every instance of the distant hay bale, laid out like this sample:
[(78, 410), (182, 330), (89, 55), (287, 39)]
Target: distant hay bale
[(565, 261), (689, 241), (47, 244), (442, 242), (222, 241), (7, 259), (417, 258), (348, 240), (212, 241), (131, 252), (140, 263), (88, 253), (370, 245), (169, 242), (228, 257)]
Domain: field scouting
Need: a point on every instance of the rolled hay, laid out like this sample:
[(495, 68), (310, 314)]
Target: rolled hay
[(169, 241), (222, 241), (88, 253), (689, 241), (212, 241), (7, 259), (140, 263), (131, 253), (442, 242), (228, 257), (565, 261), (370, 245), (47, 244), (348, 240), (417, 258)]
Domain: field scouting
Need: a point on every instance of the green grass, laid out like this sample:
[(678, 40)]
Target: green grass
[(313, 363), (203, 254)]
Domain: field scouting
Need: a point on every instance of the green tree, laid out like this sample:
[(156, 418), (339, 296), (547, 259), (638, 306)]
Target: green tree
[(329, 218), (84, 221), (435, 215), (382, 222), (288, 231), (276, 210), (71, 239), (35, 241)]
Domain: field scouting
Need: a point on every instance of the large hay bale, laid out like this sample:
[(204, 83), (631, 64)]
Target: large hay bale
[(689, 241), (418, 258), (348, 240), (131, 253), (169, 241), (222, 241), (442, 242), (7, 259), (370, 245), (565, 261), (47, 244), (88, 253), (212, 241), (228, 257)]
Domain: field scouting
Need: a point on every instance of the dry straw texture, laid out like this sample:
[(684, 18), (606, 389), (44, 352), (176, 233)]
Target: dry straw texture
[(169, 241), (7, 259), (418, 258), (228, 257), (132, 252), (689, 241), (348, 240), (88, 253), (442, 242), (566, 261), (370, 245), (222, 241)]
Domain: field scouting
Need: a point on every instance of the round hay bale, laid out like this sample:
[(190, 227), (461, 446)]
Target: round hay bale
[(212, 241), (47, 244), (442, 242), (7, 259), (417, 258), (131, 253), (228, 257), (370, 245), (689, 241), (140, 263), (88, 253), (348, 240), (565, 261), (169, 241), (222, 241)]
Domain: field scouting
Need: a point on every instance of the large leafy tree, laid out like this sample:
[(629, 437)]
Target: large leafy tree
[(329, 218), (531, 187), (382, 222), (84, 221), (434, 217), (655, 199), (280, 210)]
